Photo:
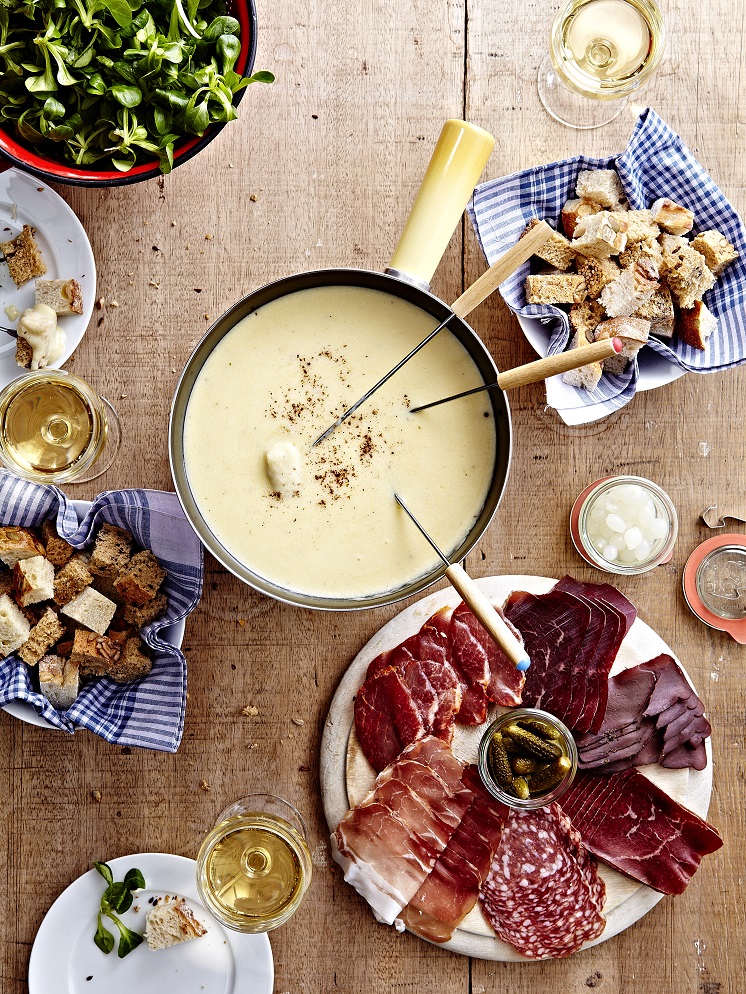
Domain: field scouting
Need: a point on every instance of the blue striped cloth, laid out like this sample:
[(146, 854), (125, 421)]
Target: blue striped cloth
[(656, 163), (148, 712)]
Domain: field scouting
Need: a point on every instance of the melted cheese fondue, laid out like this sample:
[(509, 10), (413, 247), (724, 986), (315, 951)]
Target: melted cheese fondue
[(323, 521)]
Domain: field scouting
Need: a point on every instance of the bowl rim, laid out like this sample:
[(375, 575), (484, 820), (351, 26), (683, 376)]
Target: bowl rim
[(16, 154)]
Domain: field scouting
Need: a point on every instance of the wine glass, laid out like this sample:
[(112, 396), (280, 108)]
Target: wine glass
[(55, 428), (600, 52), (254, 867)]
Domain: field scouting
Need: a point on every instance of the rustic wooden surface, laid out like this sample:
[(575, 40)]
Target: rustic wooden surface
[(320, 171)]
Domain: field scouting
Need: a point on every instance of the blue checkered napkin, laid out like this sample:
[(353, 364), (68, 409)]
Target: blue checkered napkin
[(656, 163), (147, 712)]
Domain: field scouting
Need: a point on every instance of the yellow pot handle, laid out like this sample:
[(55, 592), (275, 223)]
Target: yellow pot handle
[(456, 165)]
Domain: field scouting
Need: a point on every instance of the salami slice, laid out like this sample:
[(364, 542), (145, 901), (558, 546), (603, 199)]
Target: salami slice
[(543, 894)]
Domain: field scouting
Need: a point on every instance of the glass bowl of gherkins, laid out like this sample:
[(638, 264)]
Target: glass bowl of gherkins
[(527, 758)]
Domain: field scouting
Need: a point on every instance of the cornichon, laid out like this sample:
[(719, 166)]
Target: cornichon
[(541, 728), (550, 776), (526, 758), (499, 762), (532, 744)]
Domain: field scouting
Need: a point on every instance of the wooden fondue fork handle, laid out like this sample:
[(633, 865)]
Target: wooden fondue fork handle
[(532, 372)]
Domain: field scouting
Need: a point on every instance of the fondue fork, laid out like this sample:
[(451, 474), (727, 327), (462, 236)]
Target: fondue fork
[(508, 262), (540, 369), (480, 606)]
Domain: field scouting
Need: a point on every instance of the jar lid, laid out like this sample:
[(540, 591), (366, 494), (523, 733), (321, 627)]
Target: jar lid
[(714, 584)]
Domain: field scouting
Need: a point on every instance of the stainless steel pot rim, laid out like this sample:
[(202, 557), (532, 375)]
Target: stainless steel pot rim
[(291, 284)]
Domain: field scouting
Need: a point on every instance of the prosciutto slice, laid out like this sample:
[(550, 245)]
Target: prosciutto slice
[(632, 825), (452, 888), (543, 894)]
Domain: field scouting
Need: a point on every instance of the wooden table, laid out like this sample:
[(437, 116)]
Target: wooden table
[(320, 171)]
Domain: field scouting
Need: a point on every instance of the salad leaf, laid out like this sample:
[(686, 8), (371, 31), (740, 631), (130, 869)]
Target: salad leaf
[(117, 898)]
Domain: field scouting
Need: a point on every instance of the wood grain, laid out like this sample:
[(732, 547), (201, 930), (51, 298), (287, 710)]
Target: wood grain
[(320, 171)]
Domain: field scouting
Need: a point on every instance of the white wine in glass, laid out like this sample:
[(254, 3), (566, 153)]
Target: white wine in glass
[(600, 52)]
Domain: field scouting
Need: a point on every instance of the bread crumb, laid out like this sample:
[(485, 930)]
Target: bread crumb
[(242, 622), (254, 745), (96, 795), (155, 283), (250, 711), (253, 198), (204, 785), (298, 721)]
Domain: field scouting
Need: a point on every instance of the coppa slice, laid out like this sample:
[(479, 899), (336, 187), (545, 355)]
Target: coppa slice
[(386, 718), (635, 827), (504, 682), (543, 894)]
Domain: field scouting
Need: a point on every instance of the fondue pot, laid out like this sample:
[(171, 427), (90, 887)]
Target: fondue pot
[(454, 169)]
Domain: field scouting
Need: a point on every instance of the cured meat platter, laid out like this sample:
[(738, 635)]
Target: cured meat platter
[(347, 776)]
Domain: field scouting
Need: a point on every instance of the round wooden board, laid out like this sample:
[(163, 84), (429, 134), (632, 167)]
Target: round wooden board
[(346, 776)]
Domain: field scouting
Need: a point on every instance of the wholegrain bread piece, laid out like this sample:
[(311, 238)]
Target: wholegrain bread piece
[(24, 353), (139, 581), (649, 249), (597, 273), (695, 324), (716, 249), (133, 663), (23, 256), (672, 217), (91, 609), (634, 333), (33, 580), (71, 580), (14, 627), (600, 235), (58, 551), (112, 551), (17, 544), (556, 249), (584, 376), (63, 296), (573, 211), (94, 654), (59, 681), (688, 277), (633, 287), (601, 185), (585, 317), (562, 288), (171, 922), (659, 311), (141, 616), (42, 637)]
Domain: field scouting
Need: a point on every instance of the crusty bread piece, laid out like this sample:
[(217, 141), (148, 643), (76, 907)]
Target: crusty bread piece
[(141, 616), (556, 250), (58, 551), (14, 626), (633, 287), (596, 273), (659, 311), (688, 276), (171, 922), (673, 218), (111, 552), (133, 661), (601, 185), (71, 580), (585, 317), (94, 654), (716, 249), (560, 288), (23, 256), (634, 333), (91, 609), (42, 637), (33, 580), (670, 245), (600, 235), (18, 543), (58, 681), (573, 211), (640, 226), (139, 581), (584, 376), (695, 324), (648, 249), (63, 296)]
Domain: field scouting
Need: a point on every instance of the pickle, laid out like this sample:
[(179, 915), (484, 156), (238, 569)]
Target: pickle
[(532, 744), (520, 788), (508, 744), (522, 765), (499, 763), (548, 778), (541, 728)]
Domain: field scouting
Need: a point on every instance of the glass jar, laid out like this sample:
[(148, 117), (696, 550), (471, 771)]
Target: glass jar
[(643, 519), (560, 735)]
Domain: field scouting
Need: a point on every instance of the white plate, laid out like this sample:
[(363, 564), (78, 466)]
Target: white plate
[(655, 370), (346, 776), (64, 247), (65, 960), (24, 711)]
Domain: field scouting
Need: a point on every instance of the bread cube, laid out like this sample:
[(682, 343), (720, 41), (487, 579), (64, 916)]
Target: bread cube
[(584, 376), (17, 544), (688, 277), (600, 235), (633, 287), (59, 681), (71, 580), (673, 218), (14, 626), (634, 333), (42, 637), (33, 580), (585, 317), (171, 922), (58, 551), (659, 311), (141, 616), (139, 581), (133, 663), (601, 185), (111, 552), (573, 211), (94, 654), (91, 609), (695, 324), (23, 256), (649, 249), (556, 250), (716, 249), (596, 273), (559, 288), (63, 296)]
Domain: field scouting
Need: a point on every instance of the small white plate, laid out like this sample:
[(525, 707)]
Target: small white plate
[(655, 370), (64, 247), (65, 960)]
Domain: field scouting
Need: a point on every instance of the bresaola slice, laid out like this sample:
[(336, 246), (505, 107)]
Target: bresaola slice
[(543, 894), (632, 825)]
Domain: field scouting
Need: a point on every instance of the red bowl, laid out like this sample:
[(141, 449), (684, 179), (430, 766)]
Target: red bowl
[(23, 156)]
